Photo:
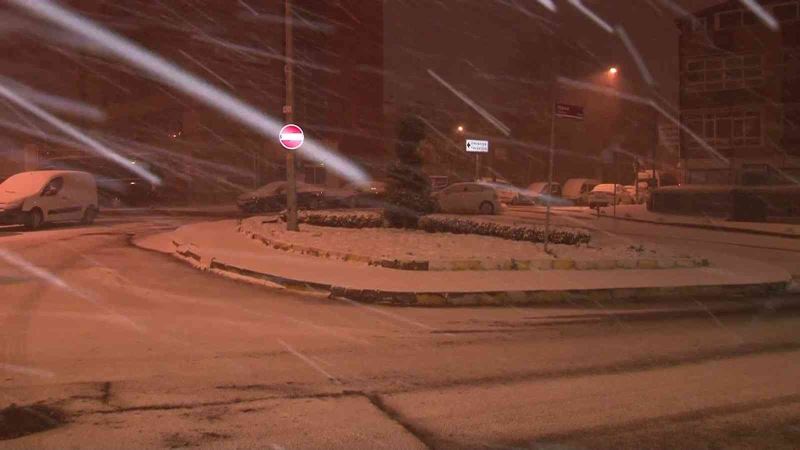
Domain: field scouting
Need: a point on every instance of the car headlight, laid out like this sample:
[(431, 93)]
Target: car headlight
[(12, 205)]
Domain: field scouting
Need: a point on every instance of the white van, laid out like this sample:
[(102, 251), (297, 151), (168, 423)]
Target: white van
[(577, 190), (34, 198)]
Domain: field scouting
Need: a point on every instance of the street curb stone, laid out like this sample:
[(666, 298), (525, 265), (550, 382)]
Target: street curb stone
[(510, 297)]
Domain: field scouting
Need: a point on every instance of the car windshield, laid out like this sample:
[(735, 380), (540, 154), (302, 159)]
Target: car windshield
[(424, 224), (606, 188)]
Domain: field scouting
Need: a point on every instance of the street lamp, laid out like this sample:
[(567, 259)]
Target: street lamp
[(612, 71), (460, 128)]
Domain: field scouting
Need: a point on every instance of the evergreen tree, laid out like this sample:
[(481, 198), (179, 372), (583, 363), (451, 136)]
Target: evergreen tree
[(408, 189)]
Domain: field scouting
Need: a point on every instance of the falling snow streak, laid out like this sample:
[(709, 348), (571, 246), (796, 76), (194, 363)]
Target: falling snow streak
[(648, 78), (309, 361), (485, 114), (56, 103), (76, 134), (53, 280), (186, 82), (591, 15), (762, 14)]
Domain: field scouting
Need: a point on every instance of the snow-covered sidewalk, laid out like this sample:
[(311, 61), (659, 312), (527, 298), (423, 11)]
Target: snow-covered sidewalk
[(218, 247), (640, 213)]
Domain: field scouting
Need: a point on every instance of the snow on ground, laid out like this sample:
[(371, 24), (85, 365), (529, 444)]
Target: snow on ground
[(640, 212), (389, 243)]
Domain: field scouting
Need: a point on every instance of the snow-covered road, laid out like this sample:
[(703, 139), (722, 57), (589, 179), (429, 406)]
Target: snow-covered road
[(143, 350)]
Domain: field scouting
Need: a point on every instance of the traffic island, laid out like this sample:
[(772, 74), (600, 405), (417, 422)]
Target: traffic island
[(445, 251), (219, 247)]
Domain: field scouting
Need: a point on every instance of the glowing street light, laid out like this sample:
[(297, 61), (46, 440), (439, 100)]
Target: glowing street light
[(612, 71), (460, 128)]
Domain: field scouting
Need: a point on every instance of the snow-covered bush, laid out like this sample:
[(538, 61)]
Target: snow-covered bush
[(341, 220), (517, 232)]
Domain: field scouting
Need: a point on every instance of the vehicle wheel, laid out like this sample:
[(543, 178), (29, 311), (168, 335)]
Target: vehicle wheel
[(34, 219), (486, 208), (89, 215)]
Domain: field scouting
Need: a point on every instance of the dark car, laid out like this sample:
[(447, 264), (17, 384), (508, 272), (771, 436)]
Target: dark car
[(272, 197), (369, 195)]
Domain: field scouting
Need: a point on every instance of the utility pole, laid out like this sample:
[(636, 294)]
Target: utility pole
[(288, 109), (549, 189)]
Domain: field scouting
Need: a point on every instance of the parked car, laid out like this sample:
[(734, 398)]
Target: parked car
[(46, 196), (369, 195), (505, 190), (604, 195), (577, 190), (472, 198), (272, 197), (537, 194), (117, 186), (637, 197)]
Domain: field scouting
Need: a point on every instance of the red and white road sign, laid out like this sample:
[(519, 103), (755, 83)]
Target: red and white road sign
[(291, 136)]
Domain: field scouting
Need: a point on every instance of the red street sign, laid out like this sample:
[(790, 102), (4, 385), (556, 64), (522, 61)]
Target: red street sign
[(291, 137), (569, 111)]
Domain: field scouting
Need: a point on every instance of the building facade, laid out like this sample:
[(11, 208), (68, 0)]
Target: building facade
[(236, 46), (740, 95)]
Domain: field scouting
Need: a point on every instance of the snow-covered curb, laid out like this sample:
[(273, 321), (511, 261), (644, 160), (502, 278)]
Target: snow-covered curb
[(639, 213), (216, 247), (265, 231)]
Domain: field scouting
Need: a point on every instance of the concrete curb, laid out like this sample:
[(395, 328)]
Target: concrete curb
[(478, 264), (190, 254), (707, 227)]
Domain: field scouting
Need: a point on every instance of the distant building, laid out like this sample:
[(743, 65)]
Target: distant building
[(235, 46), (669, 137), (740, 93)]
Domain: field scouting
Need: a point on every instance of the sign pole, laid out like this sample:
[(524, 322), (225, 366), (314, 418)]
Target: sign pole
[(477, 166), (291, 182), (549, 188), (556, 61)]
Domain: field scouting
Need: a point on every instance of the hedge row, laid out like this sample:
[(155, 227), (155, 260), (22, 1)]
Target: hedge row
[(511, 232), (435, 224), (340, 220)]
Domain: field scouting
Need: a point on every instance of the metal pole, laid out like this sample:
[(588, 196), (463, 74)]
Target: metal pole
[(550, 175), (549, 188), (291, 182), (477, 166), (616, 181), (636, 178)]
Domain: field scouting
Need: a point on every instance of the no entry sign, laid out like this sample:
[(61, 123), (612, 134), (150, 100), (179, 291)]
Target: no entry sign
[(291, 136)]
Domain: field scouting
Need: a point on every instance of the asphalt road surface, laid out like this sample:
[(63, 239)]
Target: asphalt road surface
[(139, 350)]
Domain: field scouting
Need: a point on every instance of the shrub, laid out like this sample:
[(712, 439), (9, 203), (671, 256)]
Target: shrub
[(433, 224), (341, 220), (408, 189)]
